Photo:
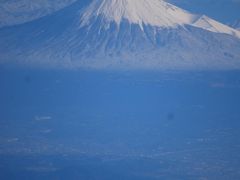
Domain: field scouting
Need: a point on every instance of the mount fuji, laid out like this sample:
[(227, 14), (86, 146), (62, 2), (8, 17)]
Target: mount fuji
[(135, 34)]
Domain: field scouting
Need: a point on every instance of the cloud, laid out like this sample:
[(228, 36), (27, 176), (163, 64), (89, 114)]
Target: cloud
[(217, 85), (42, 118)]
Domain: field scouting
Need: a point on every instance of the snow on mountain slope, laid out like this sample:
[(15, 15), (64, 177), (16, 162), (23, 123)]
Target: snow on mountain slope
[(152, 12), (209, 24), (122, 34), (14, 12)]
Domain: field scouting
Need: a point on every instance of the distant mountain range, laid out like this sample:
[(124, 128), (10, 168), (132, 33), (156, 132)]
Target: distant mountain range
[(120, 34)]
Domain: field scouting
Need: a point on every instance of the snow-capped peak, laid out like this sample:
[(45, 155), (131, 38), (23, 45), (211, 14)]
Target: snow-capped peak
[(150, 12)]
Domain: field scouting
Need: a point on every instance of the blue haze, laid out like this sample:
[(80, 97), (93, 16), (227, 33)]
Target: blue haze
[(119, 125)]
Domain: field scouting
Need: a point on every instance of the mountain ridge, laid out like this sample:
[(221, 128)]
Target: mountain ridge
[(59, 40)]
